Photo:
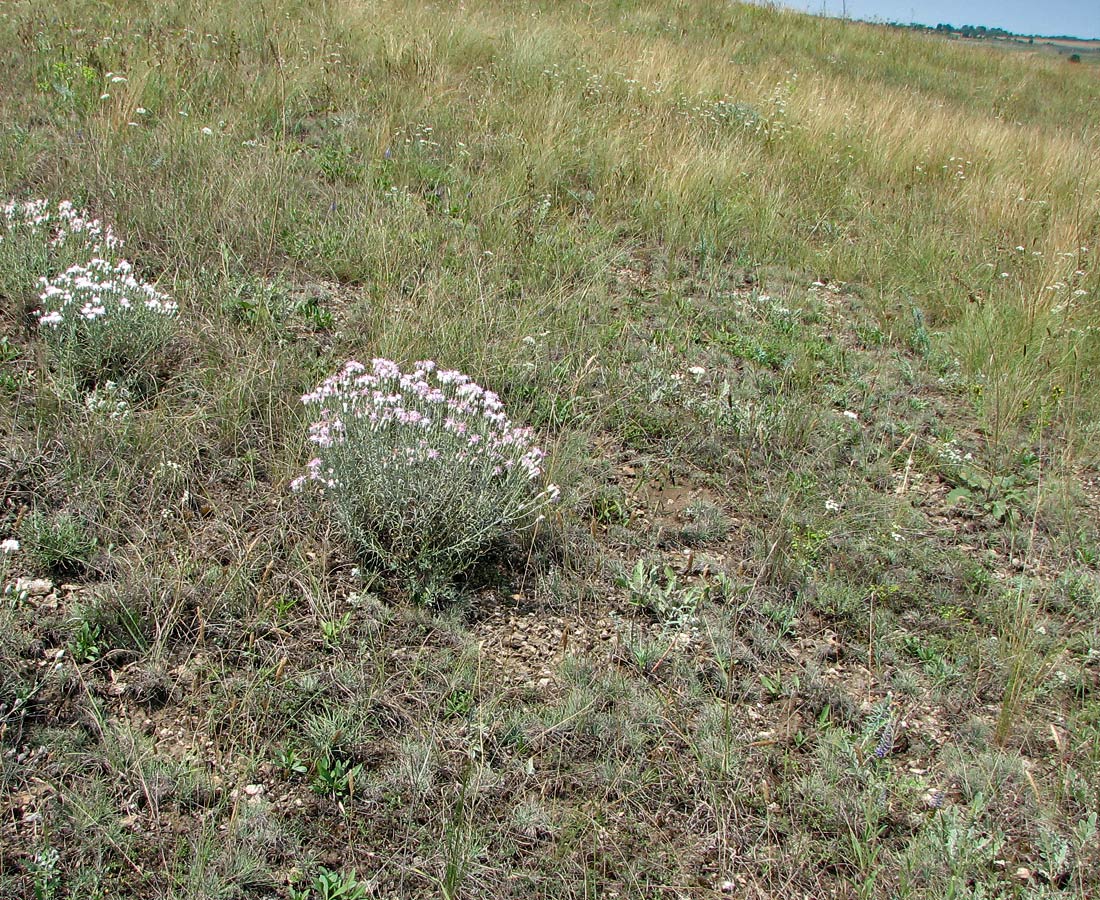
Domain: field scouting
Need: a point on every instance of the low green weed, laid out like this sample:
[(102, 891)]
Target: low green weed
[(334, 777), (86, 643), (332, 629), (332, 885), (1001, 497), (662, 594), (45, 874), (291, 762)]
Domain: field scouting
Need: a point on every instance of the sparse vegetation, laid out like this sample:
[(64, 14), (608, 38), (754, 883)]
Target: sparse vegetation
[(802, 313)]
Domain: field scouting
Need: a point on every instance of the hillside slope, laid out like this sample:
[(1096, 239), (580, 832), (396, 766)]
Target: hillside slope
[(804, 314)]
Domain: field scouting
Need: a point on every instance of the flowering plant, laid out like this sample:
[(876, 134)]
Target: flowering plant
[(102, 322), (424, 469), (38, 238)]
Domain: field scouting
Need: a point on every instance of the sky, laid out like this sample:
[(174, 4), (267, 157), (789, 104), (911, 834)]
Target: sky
[(1078, 18)]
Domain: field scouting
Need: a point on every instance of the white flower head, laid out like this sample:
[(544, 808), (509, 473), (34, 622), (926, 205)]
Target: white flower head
[(10, 545)]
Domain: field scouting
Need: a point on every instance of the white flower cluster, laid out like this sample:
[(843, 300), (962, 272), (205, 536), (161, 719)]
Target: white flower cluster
[(59, 227), (99, 320), (97, 290), (950, 454)]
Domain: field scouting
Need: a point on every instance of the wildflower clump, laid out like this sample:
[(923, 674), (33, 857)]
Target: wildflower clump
[(423, 468), (101, 322), (39, 238)]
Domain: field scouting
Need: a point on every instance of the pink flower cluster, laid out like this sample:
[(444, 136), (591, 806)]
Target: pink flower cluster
[(423, 414), (96, 290)]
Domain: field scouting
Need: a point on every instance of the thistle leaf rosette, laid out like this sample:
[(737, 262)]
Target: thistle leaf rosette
[(101, 322), (423, 468)]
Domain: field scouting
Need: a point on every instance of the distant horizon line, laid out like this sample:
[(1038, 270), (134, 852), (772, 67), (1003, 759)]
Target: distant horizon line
[(878, 20), (1000, 32)]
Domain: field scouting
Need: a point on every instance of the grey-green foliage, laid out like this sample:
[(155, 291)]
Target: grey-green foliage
[(662, 593), (101, 323), (705, 523), (61, 544), (423, 470)]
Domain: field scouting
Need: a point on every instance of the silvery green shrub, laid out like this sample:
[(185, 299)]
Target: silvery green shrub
[(423, 469), (101, 323)]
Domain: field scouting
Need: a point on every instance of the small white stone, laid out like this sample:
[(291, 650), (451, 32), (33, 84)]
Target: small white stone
[(35, 587)]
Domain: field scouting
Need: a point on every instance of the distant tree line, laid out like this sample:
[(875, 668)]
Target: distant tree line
[(975, 31), (981, 31)]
